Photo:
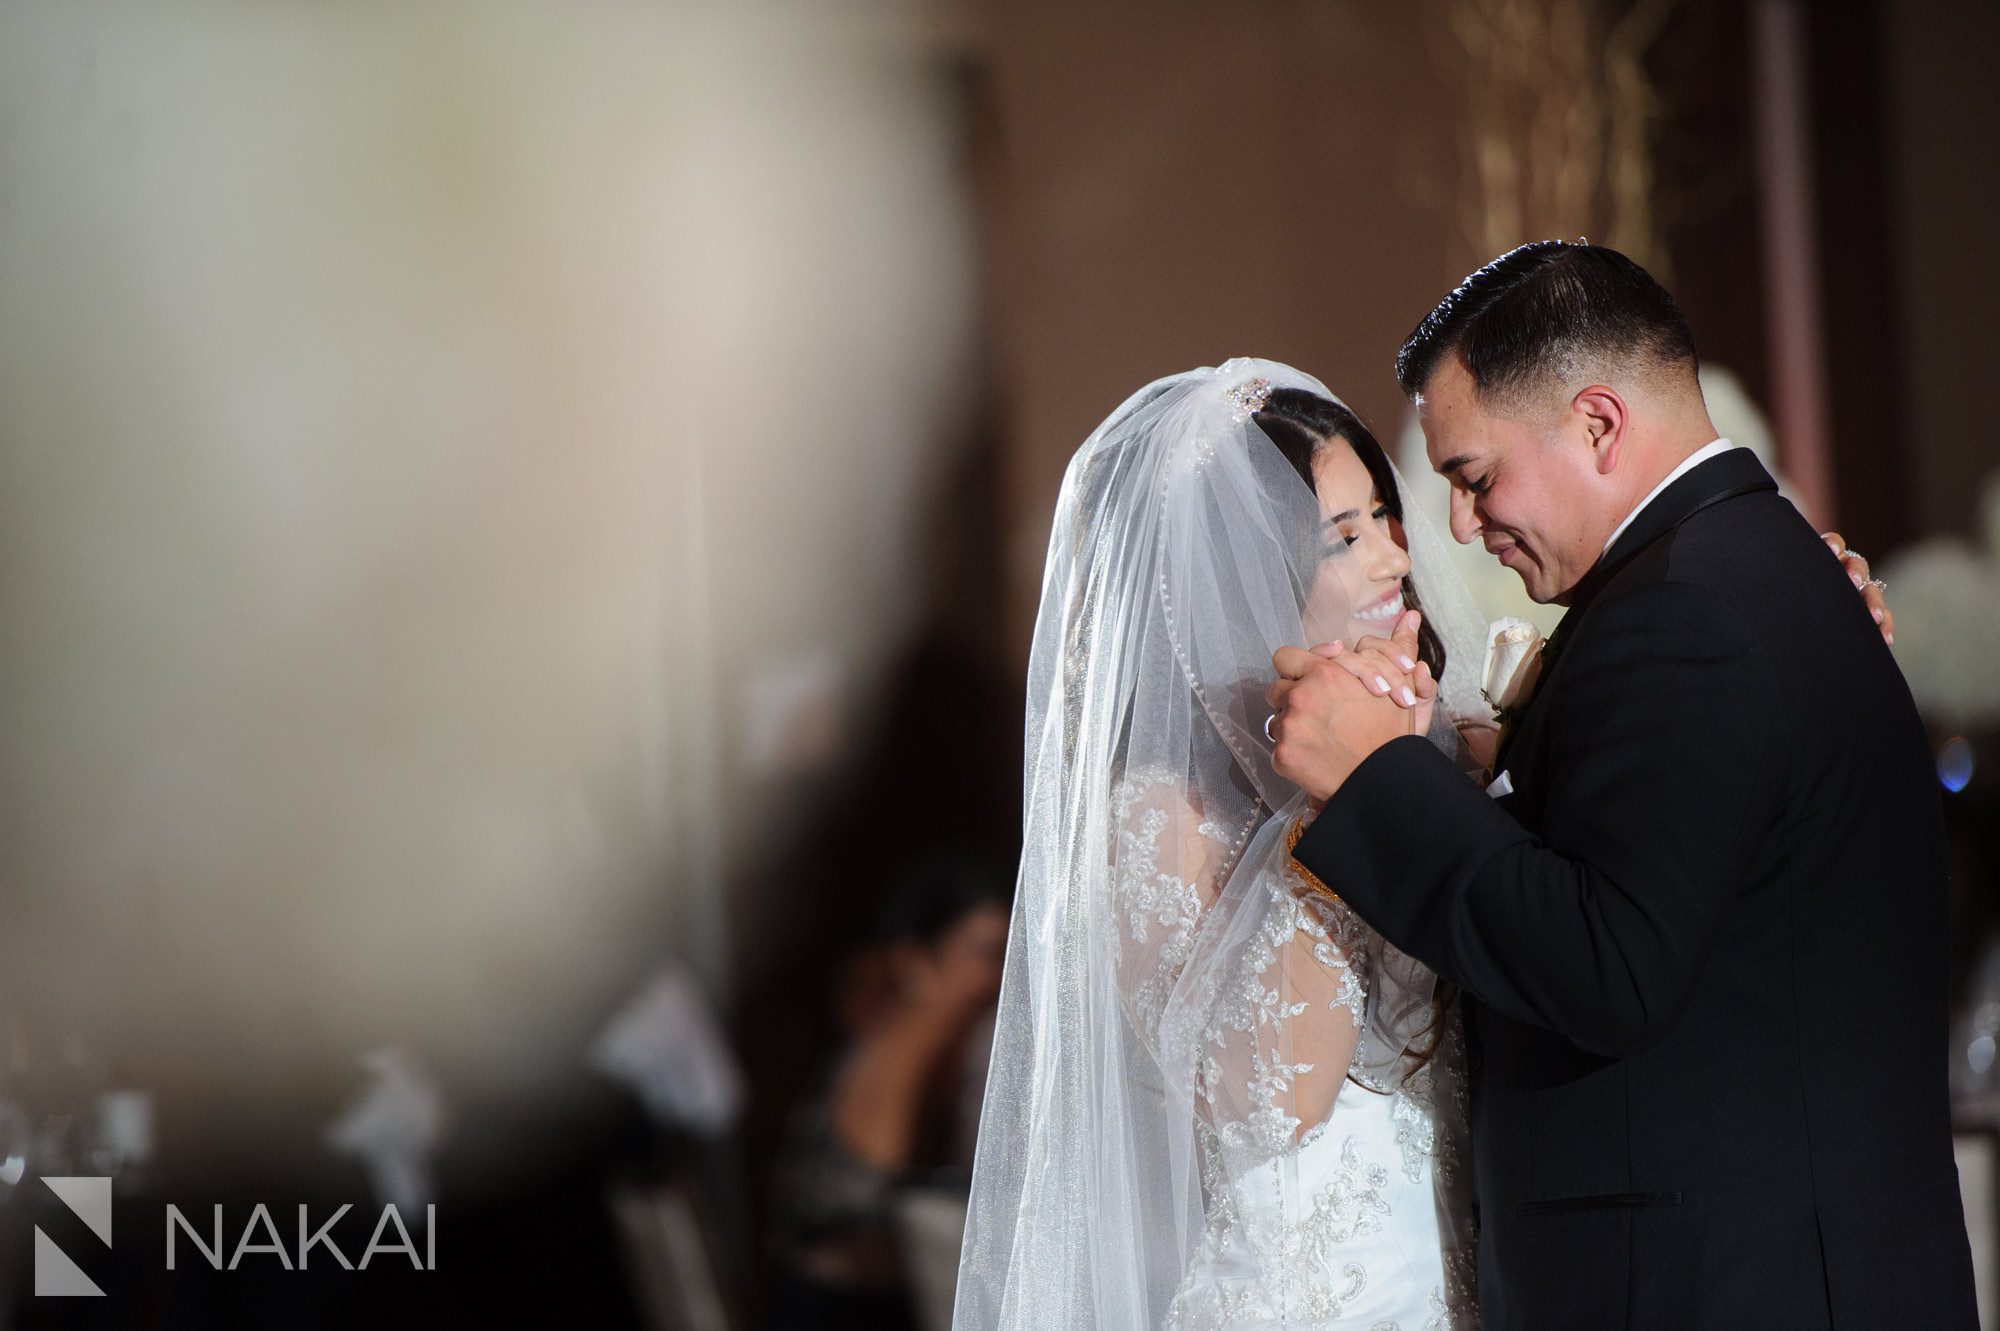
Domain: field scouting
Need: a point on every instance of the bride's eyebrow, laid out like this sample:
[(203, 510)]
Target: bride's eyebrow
[(1349, 516)]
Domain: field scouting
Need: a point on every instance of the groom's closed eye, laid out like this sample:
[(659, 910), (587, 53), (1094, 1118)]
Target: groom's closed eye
[(1454, 471)]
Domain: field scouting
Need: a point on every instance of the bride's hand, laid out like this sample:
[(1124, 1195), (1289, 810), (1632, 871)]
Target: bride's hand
[(1425, 686), (1870, 587), (1389, 668)]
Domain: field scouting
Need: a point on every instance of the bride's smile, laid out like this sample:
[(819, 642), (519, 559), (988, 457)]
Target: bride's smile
[(1382, 612)]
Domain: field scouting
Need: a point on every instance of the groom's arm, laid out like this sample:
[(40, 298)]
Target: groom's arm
[(1598, 928)]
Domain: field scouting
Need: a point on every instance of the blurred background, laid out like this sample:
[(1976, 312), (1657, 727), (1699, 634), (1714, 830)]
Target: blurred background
[(519, 526)]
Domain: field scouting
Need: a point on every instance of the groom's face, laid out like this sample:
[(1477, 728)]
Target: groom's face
[(1521, 485)]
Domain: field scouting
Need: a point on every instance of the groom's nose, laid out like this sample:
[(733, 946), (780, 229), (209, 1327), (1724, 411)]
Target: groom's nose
[(1464, 523)]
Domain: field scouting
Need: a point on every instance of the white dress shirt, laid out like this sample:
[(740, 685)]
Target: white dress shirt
[(1688, 464)]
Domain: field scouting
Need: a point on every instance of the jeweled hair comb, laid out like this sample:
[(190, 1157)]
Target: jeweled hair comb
[(1250, 397)]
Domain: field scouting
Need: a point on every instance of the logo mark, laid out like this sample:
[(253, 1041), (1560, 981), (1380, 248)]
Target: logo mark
[(55, 1273)]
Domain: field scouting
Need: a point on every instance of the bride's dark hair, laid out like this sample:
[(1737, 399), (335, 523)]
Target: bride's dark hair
[(1301, 423)]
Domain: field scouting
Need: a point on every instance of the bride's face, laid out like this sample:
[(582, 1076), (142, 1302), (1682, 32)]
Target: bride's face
[(1357, 588)]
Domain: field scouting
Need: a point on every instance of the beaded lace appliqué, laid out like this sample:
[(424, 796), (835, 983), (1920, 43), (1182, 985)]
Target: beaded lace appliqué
[(1416, 1123), (1302, 1262), (1305, 1273), (1161, 910)]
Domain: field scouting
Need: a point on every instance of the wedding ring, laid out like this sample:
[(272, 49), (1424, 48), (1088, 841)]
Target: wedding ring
[(1878, 585), (1846, 553), (1267, 727)]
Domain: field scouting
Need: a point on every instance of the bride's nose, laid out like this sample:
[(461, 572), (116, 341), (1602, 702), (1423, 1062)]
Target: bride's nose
[(1387, 561)]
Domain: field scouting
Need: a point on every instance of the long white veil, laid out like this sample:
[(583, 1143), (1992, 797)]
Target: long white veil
[(1178, 1009)]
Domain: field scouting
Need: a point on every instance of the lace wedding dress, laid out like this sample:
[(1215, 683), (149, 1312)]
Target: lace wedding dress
[(1217, 1100), (1340, 1231), (1359, 1220)]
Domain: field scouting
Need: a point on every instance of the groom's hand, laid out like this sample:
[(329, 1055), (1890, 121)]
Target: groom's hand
[(1329, 716)]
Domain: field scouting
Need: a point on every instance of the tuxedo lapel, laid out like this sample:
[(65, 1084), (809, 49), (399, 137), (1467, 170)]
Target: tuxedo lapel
[(1729, 476), (1733, 473)]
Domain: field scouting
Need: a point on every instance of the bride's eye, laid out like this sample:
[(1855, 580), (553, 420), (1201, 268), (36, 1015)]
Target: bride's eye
[(1339, 545), (1347, 538)]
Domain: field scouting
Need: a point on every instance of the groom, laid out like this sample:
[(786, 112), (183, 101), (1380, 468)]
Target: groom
[(1700, 916)]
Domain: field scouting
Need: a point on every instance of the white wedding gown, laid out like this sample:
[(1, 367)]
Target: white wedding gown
[(1363, 1221), (1342, 1231), (1346, 1223)]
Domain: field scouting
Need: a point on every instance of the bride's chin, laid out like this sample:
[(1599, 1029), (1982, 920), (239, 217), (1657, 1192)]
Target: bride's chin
[(1320, 632)]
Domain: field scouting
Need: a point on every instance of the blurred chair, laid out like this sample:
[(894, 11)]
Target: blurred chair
[(1978, 1156), (672, 1266), (932, 1224)]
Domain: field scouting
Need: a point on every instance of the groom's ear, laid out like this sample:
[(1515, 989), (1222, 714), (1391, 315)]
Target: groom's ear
[(1602, 414)]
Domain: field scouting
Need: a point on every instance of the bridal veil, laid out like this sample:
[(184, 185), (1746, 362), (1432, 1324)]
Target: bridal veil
[(1179, 1009)]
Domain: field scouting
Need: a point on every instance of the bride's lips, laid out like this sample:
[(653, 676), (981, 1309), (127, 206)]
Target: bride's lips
[(1383, 610)]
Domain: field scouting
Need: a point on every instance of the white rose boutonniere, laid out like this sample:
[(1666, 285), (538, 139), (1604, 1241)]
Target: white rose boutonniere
[(1513, 665)]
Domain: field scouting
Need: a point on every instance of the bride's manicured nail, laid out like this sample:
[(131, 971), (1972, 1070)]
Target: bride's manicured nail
[(1409, 698), (1858, 581), (1382, 684), (1877, 614)]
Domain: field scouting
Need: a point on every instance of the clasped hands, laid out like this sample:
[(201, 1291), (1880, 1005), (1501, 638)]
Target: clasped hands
[(1333, 705)]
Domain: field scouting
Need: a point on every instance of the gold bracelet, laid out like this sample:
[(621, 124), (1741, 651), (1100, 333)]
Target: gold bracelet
[(1312, 880)]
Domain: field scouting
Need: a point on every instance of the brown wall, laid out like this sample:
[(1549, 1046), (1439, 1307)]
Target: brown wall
[(1175, 185), (1939, 60)]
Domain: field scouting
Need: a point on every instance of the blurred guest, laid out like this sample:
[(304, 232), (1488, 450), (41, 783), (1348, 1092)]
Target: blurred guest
[(893, 1113)]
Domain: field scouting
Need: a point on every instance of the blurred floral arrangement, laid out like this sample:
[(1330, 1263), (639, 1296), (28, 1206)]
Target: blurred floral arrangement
[(1946, 594)]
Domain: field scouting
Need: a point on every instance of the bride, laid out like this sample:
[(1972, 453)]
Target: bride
[(1217, 1098)]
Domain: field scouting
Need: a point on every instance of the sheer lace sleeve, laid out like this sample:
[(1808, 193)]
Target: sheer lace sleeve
[(1169, 864), (1268, 1021)]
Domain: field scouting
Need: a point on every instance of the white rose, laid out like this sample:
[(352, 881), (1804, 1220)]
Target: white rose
[(1513, 663)]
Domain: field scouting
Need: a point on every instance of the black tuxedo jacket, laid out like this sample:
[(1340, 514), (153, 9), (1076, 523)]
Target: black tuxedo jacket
[(1703, 943)]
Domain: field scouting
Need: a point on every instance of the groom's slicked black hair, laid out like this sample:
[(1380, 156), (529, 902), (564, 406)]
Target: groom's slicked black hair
[(1545, 309)]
